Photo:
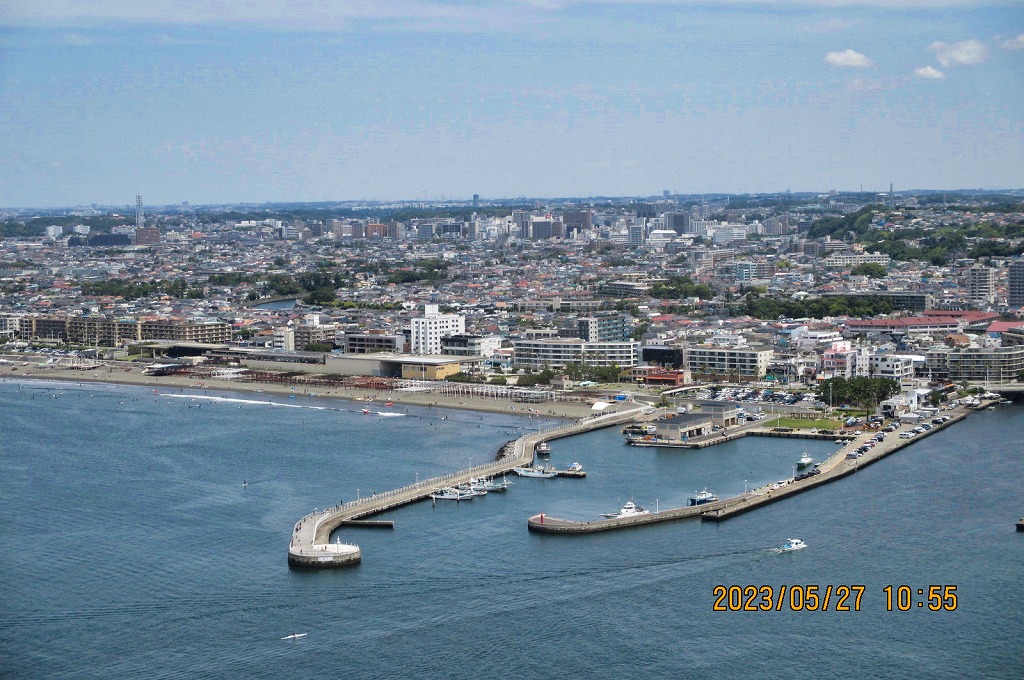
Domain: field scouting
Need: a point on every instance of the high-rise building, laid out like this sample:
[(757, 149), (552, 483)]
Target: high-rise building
[(427, 331), (576, 221), (140, 217), (981, 285), (521, 223), (605, 328), (1016, 283)]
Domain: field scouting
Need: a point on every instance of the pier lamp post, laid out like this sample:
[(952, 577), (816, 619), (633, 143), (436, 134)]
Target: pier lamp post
[(417, 478), (357, 494), (744, 488)]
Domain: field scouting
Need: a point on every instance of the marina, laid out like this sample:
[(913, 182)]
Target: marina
[(835, 467)]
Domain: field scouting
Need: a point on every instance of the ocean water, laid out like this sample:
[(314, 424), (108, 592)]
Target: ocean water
[(130, 548)]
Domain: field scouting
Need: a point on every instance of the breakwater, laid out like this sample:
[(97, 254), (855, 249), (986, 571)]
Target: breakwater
[(833, 468), (310, 545)]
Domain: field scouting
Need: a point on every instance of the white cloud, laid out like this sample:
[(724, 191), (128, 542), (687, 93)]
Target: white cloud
[(929, 73), (848, 59), (1014, 43), (964, 53)]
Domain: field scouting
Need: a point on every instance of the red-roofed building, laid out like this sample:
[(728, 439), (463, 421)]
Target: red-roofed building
[(931, 322), (997, 328)]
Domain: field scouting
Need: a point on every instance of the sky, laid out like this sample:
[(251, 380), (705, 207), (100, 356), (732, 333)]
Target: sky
[(303, 100)]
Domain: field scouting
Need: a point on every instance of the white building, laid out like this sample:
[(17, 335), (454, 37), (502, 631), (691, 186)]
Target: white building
[(981, 289), (737, 363), (559, 352), (898, 367), (426, 332), (284, 338)]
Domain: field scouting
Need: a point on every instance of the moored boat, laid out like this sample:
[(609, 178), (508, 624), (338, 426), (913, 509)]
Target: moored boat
[(805, 461), (488, 484), (535, 471), (451, 493), (703, 497), (630, 509), (575, 467), (542, 449)]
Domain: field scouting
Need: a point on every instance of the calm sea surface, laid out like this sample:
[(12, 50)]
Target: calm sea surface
[(130, 549)]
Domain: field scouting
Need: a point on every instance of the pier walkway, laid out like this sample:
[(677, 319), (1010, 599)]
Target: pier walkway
[(833, 468), (310, 545)]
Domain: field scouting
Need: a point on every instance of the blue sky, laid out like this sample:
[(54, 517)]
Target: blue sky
[(293, 100)]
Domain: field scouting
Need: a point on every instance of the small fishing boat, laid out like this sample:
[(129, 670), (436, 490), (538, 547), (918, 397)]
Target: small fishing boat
[(294, 636), (452, 493), (534, 471), (703, 497)]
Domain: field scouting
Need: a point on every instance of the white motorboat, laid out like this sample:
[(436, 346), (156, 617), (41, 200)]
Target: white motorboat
[(453, 494), (534, 471), (630, 509), (805, 461), (294, 636), (575, 467), (792, 544), (542, 449)]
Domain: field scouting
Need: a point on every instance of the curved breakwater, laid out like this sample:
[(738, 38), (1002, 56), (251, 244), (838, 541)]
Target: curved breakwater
[(310, 545)]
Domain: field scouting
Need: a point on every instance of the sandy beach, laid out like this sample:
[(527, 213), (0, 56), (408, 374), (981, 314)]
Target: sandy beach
[(132, 375)]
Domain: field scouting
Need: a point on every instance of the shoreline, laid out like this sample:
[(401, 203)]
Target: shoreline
[(131, 376)]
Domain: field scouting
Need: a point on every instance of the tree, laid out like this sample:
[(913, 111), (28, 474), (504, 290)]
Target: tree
[(318, 347), (321, 296), (872, 270)]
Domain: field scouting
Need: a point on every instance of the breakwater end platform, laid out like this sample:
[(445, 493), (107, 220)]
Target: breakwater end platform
[(310, 546)]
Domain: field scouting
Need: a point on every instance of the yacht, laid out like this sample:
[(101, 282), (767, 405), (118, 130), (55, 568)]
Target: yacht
[(703, 497), (630, 509), (805, 461), (542, 449), (792, 544), (575, 467)]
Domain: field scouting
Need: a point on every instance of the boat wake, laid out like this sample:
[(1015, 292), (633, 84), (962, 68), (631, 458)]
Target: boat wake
[(251, 402)]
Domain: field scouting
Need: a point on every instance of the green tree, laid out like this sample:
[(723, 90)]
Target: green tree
[(872, 270)]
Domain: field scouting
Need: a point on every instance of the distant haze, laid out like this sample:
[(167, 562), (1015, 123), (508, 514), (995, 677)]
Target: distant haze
[(294, 101)]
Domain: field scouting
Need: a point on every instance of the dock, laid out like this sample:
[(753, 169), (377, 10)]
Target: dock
[(737, 433), (310, 546)]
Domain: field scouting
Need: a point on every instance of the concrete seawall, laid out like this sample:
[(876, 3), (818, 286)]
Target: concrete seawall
[(310, 545)]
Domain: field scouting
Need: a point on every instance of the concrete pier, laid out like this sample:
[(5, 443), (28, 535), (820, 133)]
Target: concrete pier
[(310, 547)]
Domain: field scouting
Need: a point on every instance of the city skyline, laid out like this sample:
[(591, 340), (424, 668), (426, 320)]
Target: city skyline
[(293, 102)]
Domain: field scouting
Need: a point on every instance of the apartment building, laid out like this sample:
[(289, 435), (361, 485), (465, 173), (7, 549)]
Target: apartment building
[(559, 352), (737, 363)]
